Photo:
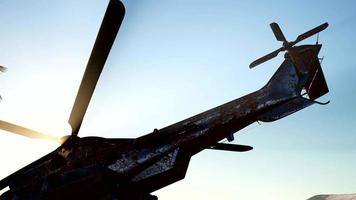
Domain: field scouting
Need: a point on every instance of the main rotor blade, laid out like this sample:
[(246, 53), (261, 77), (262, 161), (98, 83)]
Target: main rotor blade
[(26, 132), (104, 41), (277, 32), (310, 33), (266, 57)]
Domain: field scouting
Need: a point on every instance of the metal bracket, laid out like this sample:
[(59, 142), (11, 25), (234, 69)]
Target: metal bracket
[(230, 137)]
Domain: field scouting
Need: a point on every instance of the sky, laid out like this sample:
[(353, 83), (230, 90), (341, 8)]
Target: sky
[(173, 59)]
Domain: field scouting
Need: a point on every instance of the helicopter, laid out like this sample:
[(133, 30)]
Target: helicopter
[(2, 69), (131, 169)]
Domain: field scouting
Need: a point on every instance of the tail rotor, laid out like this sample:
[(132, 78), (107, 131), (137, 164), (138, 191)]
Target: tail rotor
[(286, 45)]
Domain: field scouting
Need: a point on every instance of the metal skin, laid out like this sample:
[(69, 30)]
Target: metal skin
[(99, 168)]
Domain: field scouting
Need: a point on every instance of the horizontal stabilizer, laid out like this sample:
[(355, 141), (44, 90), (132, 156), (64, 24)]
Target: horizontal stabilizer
[(231, 147)]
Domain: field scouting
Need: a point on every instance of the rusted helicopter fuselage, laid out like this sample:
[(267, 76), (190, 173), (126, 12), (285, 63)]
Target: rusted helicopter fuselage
[(99, 168)]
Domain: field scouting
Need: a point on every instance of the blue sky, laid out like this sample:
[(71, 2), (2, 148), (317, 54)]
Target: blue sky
[(173, 59)]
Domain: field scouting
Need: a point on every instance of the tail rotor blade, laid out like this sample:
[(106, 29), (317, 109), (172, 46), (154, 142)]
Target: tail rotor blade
[(277, 32), (104, 41), (26, 132), (310, 33), (266, 57)]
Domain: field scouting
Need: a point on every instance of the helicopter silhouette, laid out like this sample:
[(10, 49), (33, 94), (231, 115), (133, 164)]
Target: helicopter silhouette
[(117, 168), (2, 69)]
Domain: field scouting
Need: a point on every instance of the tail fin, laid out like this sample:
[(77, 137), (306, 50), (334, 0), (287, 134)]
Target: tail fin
[(315, 84), (285, 83), (289, 80)]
